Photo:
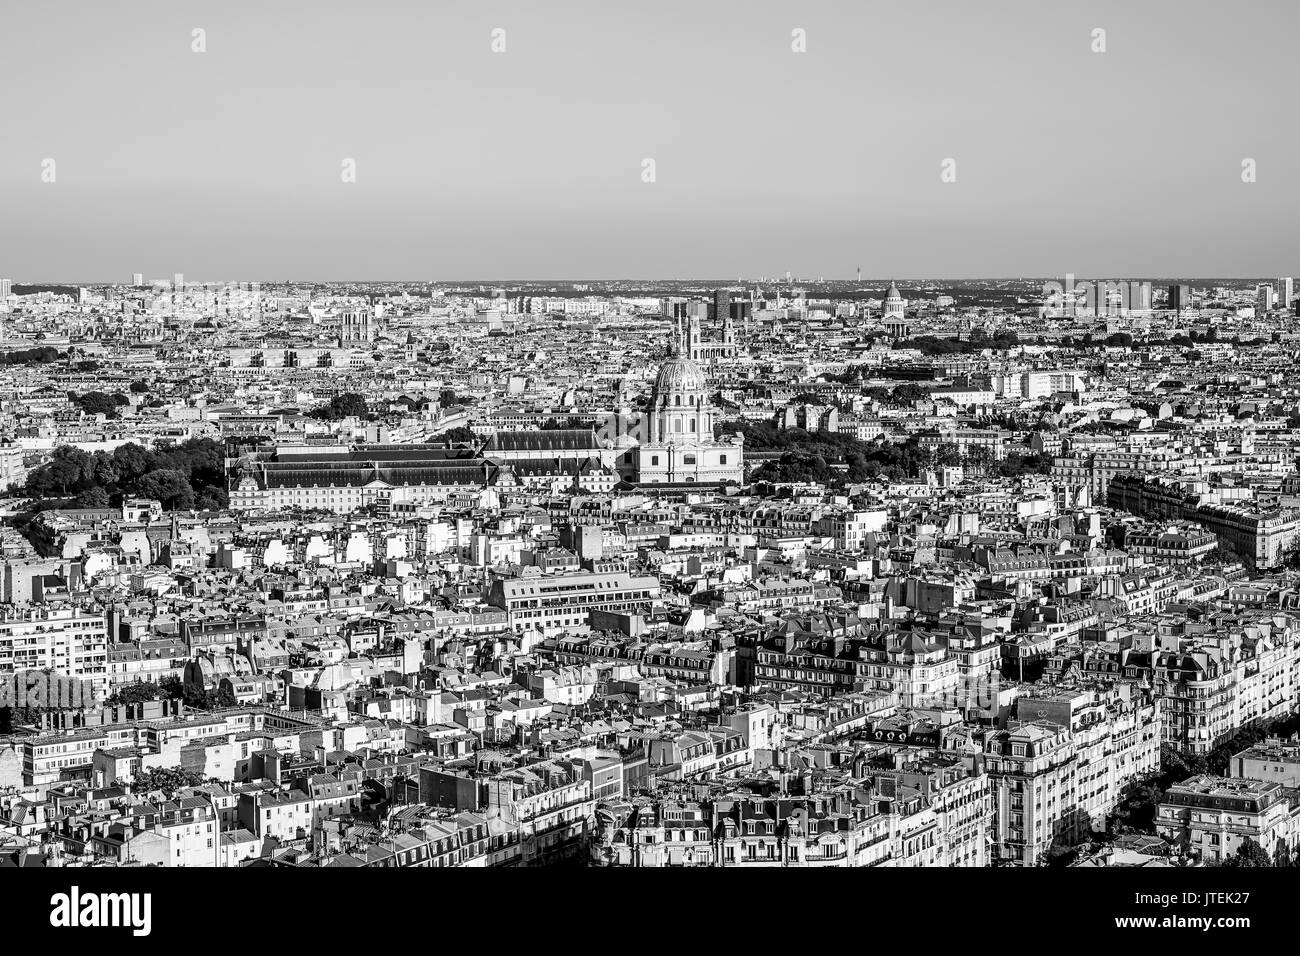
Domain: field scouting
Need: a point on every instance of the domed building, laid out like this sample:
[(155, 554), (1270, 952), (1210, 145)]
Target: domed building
[(679, 446), (894, 303), (894, 317)]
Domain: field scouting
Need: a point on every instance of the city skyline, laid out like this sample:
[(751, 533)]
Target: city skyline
[(777, 282)]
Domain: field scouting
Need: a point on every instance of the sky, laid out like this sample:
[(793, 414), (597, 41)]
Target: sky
[(228, 164)]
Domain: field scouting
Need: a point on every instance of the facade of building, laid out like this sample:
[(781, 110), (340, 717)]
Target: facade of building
[(1213, 817)]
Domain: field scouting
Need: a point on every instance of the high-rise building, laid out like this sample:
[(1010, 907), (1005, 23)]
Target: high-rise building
[(178, 282), (1180, 298), (1285, 289), (69, 640), (742, 310), (137, 279), (674, 307), (1263, 299), (6, 287), (721, 304), (1139, 297), (1108, 297)]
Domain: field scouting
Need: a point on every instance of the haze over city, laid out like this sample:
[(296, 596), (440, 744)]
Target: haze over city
[(528, 162)]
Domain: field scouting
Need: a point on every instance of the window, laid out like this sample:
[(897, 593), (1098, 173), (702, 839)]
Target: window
[(722, 459), (688, 459), (654, 459)]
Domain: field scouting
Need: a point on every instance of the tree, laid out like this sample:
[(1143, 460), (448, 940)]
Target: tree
[(221, 697), (168, 486), (946, 454), (131, 461), (100, 403), (166, 779), (447, 398), (1017, 464), (347, 405), (92, 498), (1060, 855), (797, 466), (1249, 854), (457, 436), (1137, 808), (136, 693), (104, 471), (211, 498), (910, 392), (979, 457), (68, 471), (37, 356)]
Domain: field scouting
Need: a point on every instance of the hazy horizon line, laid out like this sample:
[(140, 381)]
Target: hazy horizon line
[(711, 282)]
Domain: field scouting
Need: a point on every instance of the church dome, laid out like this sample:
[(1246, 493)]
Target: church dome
[(680, 374), (893, 292)]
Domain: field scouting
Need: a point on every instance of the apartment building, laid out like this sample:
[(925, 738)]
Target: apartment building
[(68, 639), (1212, 817), (552, 603)]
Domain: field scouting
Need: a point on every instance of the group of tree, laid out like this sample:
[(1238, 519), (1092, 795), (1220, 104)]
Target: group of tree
[(978, 341), (41, 355), (347, 405), (976, 458), (1251, 854), (903, 393), (812, 456), (99, 403), (457, 436), (183, 477), (139, 692), (167, 780), (1017, 463), (172, 688), (411, 402), (798, 466), (447, 398), (354, 405)]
